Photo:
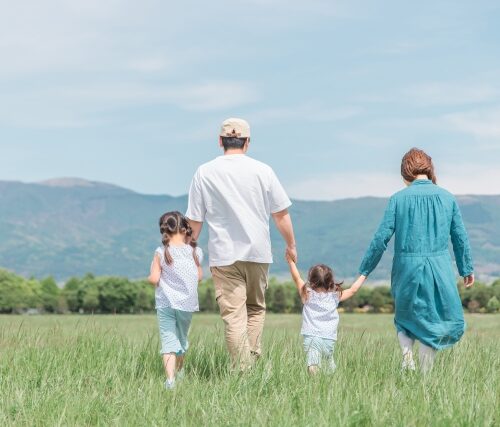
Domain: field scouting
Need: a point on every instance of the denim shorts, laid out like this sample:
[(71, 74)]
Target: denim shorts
[(174, 327), (319, 350)]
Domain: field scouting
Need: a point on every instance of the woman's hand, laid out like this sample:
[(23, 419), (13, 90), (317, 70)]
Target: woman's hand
[(469, 280)]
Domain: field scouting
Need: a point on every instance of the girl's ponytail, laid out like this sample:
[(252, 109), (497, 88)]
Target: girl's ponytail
[(165, 240), (169, 225), (192, 242), (321, 277), (172, 223)]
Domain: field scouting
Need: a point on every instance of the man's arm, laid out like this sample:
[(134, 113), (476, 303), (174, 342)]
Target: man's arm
[(283, 223), (196, 227), (196, 209)]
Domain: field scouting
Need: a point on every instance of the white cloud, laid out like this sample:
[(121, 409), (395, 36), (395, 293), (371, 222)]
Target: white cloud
[(81, 35), (399, 48), (345, 185), (456, 179), (470, 179), (444, 93), (309, 112), (481, 123), (215, 95), (438, 94), (66, 106)]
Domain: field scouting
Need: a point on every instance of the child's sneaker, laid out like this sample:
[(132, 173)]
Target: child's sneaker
[(169, 384), (180, 375)]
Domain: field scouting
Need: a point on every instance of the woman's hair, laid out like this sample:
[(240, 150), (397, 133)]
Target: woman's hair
[(172, 223), (417, 162), (321, 277)]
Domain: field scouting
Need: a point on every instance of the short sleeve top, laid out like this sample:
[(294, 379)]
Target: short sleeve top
[(320, 317), (178, 285), (235, 195)]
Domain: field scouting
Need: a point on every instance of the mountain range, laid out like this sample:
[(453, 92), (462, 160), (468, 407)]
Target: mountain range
[(68, 227)]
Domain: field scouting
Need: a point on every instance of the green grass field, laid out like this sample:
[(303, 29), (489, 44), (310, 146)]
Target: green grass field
[(105, 370)]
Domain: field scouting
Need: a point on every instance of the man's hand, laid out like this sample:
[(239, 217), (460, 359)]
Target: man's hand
[(291, 253), (469, 280)]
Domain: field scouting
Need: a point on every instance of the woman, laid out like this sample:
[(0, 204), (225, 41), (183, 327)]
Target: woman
[(423, 216)]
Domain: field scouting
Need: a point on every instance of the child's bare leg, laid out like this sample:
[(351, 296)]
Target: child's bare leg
[(179, 362), (313, 369), (169, 360)]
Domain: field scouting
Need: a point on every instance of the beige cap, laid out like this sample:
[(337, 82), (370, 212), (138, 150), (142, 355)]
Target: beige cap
[(237, 128)]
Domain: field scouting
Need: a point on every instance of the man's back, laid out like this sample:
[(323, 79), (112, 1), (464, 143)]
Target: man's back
[(235, 195)]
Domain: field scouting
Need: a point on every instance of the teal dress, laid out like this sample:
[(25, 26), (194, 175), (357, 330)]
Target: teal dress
[(423, 216)]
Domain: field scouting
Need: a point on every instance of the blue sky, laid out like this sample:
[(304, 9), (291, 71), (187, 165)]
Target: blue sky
[(133, 92)]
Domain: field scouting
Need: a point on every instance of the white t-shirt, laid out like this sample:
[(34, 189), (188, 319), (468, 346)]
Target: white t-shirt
[(178, 285), (320, 317), (235, 195)]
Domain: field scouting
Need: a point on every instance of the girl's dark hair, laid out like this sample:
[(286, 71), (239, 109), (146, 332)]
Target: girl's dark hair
[(417, 162), (321, 277), (174, 223)]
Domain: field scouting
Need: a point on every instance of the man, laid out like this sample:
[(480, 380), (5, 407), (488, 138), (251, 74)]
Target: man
[(236, 195)]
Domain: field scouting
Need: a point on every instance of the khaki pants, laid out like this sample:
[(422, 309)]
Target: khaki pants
[(239, 291)]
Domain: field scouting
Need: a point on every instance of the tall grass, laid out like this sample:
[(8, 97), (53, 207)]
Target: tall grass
[(105, 370)]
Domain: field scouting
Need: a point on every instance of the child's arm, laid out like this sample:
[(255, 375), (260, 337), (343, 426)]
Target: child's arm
[(296, 275), (348, 293), (199, 256), (155, 272)]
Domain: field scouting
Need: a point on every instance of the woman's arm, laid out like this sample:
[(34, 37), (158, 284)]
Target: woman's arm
[(200, 274), (348, 293), (380, 240), (155, 271), (461, 247), (299, 283)]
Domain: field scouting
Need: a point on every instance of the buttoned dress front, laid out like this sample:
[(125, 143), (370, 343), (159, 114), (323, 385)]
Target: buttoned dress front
[(423, 217)]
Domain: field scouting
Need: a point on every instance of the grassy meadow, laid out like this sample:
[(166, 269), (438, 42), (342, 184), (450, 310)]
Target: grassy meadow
[(76, 370)]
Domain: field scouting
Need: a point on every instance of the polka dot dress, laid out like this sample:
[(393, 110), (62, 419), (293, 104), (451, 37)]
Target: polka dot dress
[(178, 286), (320, 317)]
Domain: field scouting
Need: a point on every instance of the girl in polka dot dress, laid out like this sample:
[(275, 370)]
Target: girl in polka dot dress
[(175, 272), (320, 296)]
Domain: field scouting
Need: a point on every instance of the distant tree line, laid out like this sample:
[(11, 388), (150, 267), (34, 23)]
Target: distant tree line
[(108, 294)]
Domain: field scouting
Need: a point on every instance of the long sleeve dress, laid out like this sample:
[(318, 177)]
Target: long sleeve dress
[(423, 216)]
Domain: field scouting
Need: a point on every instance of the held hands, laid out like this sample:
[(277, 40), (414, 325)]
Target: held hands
[(350, 292), (291, 254), (359, 281), (294, 271), (469, 280)]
